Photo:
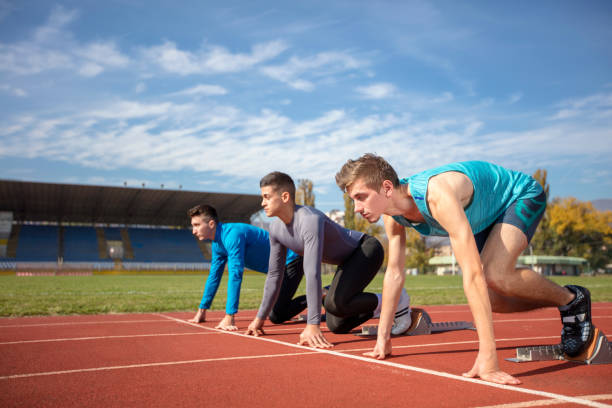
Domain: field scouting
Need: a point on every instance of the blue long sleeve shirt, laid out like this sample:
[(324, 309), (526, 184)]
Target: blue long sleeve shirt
[(237, 245)]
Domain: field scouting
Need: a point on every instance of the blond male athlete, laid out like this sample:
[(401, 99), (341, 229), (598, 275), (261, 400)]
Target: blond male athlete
[(490, 214), (311, 234)]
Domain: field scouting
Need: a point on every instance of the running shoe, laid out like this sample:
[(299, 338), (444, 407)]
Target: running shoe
[(578, 329), (402, 320)]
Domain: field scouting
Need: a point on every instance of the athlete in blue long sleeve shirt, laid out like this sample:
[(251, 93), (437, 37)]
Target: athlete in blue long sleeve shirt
[(241, 245)]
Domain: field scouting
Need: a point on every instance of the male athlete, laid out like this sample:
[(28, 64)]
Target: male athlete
[(490, 214), (309, 232), (242, 245)]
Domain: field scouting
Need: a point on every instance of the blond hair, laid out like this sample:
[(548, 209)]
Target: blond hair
[(370, 168)]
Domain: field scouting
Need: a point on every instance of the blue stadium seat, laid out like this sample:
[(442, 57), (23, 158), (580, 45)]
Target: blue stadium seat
[(37, 243), (80, 244), (164, 245)]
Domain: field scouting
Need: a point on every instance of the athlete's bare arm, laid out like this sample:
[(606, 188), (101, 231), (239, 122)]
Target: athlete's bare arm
[(447, 196), (392, 286)]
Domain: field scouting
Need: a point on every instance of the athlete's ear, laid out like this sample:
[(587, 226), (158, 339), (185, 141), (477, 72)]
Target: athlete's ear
[(285, 196), (387, 188)]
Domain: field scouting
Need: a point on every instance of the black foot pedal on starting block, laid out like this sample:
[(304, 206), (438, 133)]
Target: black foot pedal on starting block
[(421, 324), (598, 352)]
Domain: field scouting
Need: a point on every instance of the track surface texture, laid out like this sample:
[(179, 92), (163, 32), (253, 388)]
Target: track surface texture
[(161, 360)]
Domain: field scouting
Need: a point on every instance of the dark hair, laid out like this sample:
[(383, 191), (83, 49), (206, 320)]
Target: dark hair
[(205, 211), (281, 182), (371, 168)]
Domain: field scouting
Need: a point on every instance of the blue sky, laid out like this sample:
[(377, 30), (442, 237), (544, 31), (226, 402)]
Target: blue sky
[(211, 96)]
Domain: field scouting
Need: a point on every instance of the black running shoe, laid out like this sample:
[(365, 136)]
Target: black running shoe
[(578, 329)]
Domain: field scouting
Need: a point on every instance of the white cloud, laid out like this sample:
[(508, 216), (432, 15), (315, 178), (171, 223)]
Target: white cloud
[(52, 47), (13, 91), (90, 69), (103, 53), (229, 142), (140, 87), (129, 110), (322, 64), (377, 91), (53, 31), (515, 97), (212, 59), (594, 107), (203, 89)]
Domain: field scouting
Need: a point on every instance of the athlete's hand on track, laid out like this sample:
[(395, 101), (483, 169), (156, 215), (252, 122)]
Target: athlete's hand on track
[(227, 323), (382, 349), (255, 328), (313, 337), (488, 369), (199, 317)]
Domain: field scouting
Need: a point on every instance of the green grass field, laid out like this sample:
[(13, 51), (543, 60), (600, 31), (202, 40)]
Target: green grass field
[(30, 296)]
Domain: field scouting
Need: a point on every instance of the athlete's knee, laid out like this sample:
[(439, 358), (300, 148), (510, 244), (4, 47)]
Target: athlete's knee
[(499, 280), (335, 304), (335, 325), (276, 318), (498, 304), (336, 329)]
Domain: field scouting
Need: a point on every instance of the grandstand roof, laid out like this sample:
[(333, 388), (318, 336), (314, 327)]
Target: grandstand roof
[(32, 201)]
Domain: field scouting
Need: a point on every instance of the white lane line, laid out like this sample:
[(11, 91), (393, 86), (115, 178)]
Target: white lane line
[(539, 403), (167, 363), (79, 323), (455, 343), (595, 318), (129, 336), (416, 369), (247, 319)]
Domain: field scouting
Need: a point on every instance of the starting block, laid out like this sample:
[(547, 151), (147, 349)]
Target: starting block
[(598, 352), (422, 324)]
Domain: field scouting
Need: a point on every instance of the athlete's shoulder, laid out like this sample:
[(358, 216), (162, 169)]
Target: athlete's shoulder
[(238, 229), (310, 212)]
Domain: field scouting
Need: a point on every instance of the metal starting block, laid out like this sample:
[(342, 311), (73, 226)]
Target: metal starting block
[(598, 352), (421, 324)]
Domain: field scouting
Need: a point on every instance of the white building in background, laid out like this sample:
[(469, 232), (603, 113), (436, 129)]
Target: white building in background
[(336, 216)]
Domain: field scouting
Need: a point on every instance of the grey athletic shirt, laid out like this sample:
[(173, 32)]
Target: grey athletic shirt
[(318, 239)]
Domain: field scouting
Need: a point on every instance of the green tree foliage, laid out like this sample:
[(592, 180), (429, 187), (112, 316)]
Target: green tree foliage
[(570, 227), (357, 222), (544, 239), (417, 253), (581, 230), (304, 194), (540, 176)]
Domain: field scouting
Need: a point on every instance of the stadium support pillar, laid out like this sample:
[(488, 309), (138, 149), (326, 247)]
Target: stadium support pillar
[(128, 251), (102, 250), (60, 242), (11, 246)]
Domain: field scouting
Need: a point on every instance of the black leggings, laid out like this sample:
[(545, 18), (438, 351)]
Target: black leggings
[(346, 305), (286, 307)]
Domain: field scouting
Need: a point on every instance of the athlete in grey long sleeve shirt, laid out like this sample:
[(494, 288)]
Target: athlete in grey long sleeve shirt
[(318, 239), (312, 234)]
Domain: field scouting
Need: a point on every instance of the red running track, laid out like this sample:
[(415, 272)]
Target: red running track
[(160, 360)]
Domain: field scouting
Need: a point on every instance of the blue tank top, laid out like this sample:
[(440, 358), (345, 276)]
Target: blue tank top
[(495, 189)]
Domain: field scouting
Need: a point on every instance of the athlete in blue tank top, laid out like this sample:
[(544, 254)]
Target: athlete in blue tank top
[(494, 190), (241, 246), (489, 213)]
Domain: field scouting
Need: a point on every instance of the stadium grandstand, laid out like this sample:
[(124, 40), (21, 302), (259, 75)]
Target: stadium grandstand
[(65, 229)]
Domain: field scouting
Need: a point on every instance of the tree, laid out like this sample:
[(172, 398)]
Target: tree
[(540, 176), (544, 238), (304, 194), (417, 253), (357, 222), (581, 230)]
